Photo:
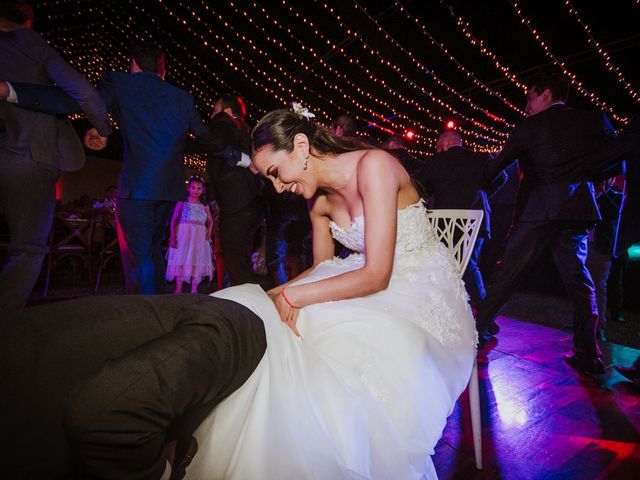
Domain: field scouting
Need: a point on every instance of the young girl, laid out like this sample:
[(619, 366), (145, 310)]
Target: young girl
[(189, 253)]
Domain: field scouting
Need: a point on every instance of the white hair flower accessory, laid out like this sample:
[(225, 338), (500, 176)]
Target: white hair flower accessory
[(301, 111)]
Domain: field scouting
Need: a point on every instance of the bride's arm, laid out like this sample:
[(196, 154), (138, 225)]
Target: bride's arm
[(378, 184)]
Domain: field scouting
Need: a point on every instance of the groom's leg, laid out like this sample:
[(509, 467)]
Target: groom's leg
[(45, 351), (117, 421)]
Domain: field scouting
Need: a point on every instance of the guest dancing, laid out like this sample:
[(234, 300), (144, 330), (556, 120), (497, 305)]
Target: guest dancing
[(366, 355), (556, 206)]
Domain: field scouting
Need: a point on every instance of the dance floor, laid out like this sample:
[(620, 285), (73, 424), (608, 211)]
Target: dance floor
[(540, 419)]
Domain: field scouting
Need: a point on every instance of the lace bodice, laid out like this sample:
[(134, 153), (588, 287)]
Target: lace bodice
[(413, 231), (193, 213)]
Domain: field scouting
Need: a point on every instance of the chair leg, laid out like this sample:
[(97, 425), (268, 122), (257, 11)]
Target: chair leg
[(476, 423), (49, 271), (99, 276)]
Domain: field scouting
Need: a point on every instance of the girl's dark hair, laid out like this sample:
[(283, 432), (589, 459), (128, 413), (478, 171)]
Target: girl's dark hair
[(278, 128), (198, 178)]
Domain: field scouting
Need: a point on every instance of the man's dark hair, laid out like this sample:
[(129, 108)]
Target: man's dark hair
[(16, 12), (397, 139), (235, 103), (349, 125), (149, 57), (557, 84)]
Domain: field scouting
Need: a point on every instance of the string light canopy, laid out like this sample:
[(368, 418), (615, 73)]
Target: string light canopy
[(396, 66)]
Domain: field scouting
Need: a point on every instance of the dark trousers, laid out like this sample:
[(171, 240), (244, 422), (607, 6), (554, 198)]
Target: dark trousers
[(568, 244), (287, 234), (237, 232), (472, 277), (501, 220), (142, 226), (599, 266), (118, 377), (28, 198), (615, 292)]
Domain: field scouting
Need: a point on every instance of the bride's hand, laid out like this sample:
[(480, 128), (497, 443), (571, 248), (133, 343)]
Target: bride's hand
[(288, 314), (275, 291)]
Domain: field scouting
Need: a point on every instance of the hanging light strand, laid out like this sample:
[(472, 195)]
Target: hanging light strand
[(453, 59), (592, 97), (473, 40), (605, 55), (367, 48), (422, 67)]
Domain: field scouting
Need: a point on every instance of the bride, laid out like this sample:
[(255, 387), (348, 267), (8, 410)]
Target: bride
[(366, 355)]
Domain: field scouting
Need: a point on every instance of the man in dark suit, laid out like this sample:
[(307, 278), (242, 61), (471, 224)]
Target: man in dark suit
[(154, 119), (456, 177), (234, 188), (556, 205), (96, 387), (34, 148)]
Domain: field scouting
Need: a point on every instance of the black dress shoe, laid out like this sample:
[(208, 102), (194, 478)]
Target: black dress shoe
[(631, 373), (585, 365), (616, 317), (493, 328)]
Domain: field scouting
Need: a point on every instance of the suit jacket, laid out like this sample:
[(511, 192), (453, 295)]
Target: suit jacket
[(608, 161), (457, 179), (629, 228), (552, 148), (154, 119), (232, 187), (26, 57)]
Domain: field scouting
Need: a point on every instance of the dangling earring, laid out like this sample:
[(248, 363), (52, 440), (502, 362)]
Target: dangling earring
[(306, 163)]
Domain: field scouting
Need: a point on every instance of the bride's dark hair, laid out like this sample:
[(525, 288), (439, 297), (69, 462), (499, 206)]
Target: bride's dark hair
[(278, 128)]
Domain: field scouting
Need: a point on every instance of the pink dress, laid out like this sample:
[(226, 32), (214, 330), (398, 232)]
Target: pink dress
[(192, 257)]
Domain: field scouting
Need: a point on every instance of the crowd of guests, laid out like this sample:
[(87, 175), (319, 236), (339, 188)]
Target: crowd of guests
[(545, 171), (543, 161)]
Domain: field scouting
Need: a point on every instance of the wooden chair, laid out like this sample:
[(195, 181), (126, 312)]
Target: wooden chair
[(458, 230), (69, 237), (108, 249)]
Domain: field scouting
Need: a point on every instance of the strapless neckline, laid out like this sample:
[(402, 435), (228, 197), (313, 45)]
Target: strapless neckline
[(361, 217)]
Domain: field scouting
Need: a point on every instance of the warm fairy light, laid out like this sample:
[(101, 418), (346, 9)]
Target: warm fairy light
[(409, 134), (592, 97), (310, 65), (473, 40), (605, 55), (385, 62), (459, 65), (450, 125)]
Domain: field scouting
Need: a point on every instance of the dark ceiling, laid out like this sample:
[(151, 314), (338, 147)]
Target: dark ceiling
[(394, 65)]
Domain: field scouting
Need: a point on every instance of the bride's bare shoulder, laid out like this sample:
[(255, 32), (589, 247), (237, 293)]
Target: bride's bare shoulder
[(378, 162), (377, 158)]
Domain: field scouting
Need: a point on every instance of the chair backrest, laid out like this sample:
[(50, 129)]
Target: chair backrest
[(458, 230)]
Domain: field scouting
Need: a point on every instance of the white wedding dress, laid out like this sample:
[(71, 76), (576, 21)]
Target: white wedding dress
[(366, 393)]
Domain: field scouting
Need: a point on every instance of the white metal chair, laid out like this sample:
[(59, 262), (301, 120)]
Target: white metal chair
[(458, 230)]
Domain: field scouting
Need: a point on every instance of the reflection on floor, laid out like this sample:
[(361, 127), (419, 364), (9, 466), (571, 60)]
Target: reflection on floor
[(541, 420)]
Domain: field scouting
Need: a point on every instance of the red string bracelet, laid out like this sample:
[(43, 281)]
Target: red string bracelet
[(286, 300)]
